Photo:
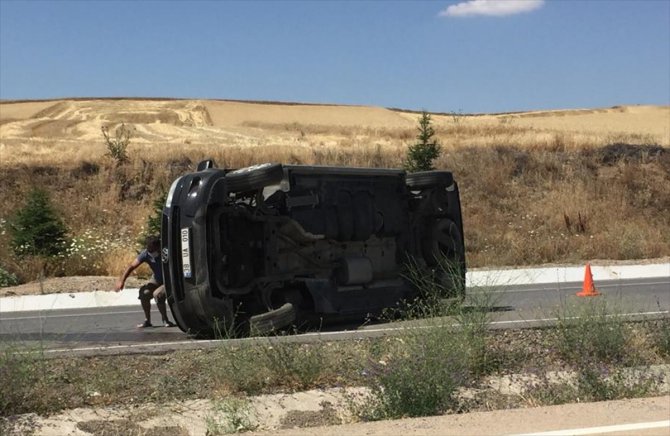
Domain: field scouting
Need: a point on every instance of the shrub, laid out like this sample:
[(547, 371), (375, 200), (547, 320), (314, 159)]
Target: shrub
[(421, 155), (661, 338), (117, 146), (234, 368), (440, 289), (154, 220), (592, 332), (421, 378), (436, 358), (298, 366), (253, 366), (7, 278), (37, 230), (23, 377)]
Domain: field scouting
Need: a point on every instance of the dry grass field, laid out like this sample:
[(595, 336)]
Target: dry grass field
[(537, 187)]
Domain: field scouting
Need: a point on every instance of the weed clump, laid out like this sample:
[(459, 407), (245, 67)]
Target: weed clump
[(25, 381), (594, 382), (592, 332), (231, 415), (602, 357), (422, 379), (255, 365), (7, 278), (434, 360), (117, 145)]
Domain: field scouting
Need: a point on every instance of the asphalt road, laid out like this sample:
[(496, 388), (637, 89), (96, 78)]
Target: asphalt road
[(112, 330)]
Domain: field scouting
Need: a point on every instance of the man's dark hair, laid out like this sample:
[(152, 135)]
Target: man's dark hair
[(152, 241)]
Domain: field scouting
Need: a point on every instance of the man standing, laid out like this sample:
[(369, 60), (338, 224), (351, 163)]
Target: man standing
[(155, 288)]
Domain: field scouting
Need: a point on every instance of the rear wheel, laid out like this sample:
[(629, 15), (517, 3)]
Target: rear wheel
[(254, 177), (444, 253), (442, 240), (429, 179)]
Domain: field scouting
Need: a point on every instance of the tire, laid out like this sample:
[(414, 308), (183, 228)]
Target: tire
[(443, 251), (210, 318), (254, 177), (443, 239), (429, 179), (271, 321)]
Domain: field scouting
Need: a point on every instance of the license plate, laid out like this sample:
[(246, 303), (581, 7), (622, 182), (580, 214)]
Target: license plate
[(186, 253)]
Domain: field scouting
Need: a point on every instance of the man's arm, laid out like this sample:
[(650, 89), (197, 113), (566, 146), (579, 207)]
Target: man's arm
[(122, 281)]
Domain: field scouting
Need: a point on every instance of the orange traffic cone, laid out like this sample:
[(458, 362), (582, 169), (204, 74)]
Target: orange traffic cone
[(589, 290)]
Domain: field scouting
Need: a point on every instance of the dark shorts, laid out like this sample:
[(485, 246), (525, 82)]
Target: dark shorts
[(152, 290)]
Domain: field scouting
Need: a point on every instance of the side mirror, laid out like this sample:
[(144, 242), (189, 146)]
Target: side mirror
[(205, 164)]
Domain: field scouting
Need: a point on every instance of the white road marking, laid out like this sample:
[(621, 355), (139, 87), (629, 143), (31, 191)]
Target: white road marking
[(67, 315), (561, 287), (520, 321), (125, 347), (604, 429)]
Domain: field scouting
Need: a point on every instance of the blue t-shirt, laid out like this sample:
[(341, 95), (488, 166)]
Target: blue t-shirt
[(154, 263)]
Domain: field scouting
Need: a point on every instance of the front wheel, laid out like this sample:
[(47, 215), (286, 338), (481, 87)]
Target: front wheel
[(273, 320)]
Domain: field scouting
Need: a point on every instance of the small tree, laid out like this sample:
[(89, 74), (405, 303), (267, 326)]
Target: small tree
[(117, 146), (154, 220), (421, 155), (37, 230)]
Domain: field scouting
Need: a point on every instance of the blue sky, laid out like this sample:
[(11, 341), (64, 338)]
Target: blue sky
[(410, 54)]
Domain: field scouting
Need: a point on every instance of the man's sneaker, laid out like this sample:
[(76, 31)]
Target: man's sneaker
[(168, 323), (144, 325)]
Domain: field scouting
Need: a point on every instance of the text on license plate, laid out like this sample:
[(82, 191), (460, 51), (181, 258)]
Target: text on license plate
[(185, 253)]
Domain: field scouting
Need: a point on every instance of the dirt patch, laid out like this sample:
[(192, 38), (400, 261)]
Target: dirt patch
[(127, 427), (310, 418)]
